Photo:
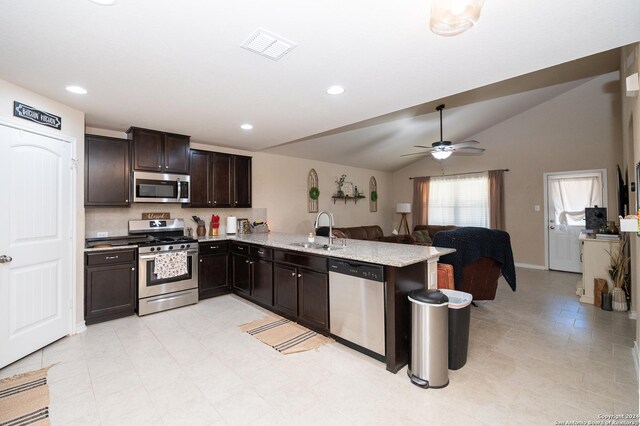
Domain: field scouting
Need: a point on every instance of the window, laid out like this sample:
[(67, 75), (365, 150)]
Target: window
[(461, 200)]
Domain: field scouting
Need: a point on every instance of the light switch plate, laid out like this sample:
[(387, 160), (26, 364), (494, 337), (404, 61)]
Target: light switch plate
[(536, 208)]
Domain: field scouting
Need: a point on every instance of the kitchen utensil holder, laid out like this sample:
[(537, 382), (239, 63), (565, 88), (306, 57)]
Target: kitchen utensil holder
[(201, 231)]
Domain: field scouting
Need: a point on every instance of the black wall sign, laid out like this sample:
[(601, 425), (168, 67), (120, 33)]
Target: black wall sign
[(29, 113)]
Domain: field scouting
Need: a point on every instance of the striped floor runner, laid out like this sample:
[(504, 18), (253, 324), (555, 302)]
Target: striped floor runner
[(24, 399), (283, 335)]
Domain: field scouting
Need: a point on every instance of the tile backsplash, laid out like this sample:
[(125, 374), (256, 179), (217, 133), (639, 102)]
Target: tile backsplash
[(114, 220)]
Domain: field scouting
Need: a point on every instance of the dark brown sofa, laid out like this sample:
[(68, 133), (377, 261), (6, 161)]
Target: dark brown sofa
[(371, 233), (480, 277)]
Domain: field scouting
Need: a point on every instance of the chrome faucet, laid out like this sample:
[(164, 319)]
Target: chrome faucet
[(315, 225)]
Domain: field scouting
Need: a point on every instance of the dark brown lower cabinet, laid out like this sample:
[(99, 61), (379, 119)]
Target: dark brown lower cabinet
[(213, 278), (313, 298), (110, 285), (262, 278), (285, 289), (241, 267), (301, 288)]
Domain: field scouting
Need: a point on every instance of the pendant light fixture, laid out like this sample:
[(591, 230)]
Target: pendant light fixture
[(452, 17)]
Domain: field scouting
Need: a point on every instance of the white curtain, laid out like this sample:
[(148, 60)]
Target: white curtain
[(461, 200), (570, 197)]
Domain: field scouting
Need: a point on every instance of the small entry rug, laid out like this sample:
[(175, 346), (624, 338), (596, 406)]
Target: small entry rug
[(283, 335), (24, 399)]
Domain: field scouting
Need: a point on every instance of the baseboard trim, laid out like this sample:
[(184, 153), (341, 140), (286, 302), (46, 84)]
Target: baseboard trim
[(530, 266), (80, 327), (636, 358)]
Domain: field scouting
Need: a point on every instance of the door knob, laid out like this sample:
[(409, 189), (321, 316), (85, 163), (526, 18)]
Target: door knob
[(5, 259), (552, 227)]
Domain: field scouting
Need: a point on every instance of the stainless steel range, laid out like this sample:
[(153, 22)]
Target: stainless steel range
[(167, 265)]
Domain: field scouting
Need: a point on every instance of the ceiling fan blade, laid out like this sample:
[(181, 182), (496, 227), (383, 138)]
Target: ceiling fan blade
[(469, 150), (415, 153), (465, 144), (424, 147)]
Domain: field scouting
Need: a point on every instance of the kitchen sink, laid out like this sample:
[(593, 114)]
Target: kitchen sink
[(317, 246)]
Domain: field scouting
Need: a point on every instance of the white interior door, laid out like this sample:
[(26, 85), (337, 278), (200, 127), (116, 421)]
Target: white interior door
[(35, 242), (568, 194)]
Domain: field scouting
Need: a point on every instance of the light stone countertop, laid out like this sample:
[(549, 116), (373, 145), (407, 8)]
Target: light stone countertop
[(389, 254)]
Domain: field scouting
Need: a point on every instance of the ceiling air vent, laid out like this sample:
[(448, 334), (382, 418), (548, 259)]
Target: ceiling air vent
[(268, 44)]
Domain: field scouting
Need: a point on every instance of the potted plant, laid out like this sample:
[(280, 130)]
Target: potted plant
[(617, 269), (340, 182)]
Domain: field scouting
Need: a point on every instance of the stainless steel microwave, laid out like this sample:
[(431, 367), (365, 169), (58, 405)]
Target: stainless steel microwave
[(150, 187)]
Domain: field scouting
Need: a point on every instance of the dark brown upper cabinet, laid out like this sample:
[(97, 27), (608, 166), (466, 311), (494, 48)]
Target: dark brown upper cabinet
[(107, 179), (241, 181), (156, 151), (219, 180)]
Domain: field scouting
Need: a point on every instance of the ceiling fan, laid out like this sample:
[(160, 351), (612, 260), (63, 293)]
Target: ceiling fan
[(443, 149)]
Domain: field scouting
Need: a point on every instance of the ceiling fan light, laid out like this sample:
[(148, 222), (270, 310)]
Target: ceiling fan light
[(441, 155), (452, 17)]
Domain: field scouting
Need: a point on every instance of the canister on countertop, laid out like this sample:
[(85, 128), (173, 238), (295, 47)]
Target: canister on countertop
[(243, 226)]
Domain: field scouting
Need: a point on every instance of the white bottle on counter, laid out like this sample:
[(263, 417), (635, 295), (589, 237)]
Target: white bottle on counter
[(311, 238)]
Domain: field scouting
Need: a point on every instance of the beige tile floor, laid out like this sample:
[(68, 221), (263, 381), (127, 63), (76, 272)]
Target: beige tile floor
[(536, 356)]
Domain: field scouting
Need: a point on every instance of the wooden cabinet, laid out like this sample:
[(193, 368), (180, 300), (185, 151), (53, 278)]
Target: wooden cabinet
[(262, 275), (222, 192), (157, 151), (313, 298), (301, 288), (201, 173), (213, 278), (286, 289), (595, 264), (241, 181), (107, 178), (110, 285), (253, 272), (241, 268), (219, 180)]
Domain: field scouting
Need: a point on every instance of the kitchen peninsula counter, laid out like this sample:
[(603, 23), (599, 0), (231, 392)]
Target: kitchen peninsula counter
[(407, 268), (387, 254)]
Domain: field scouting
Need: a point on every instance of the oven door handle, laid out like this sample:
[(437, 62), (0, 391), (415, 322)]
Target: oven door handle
[(153, 256)]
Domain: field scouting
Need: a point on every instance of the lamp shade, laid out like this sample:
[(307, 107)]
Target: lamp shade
[(403, 208)]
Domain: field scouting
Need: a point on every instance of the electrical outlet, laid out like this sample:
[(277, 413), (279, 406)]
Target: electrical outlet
[(102, 234), (536, 208)]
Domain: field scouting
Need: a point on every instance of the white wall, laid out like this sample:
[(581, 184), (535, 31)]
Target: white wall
[(73, 127), (577, 130), (630, 122)]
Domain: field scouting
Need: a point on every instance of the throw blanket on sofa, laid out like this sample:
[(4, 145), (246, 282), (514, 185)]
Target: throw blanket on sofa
[(473, 243)]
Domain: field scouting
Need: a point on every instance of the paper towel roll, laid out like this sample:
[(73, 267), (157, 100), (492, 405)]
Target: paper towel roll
[(232, 224)]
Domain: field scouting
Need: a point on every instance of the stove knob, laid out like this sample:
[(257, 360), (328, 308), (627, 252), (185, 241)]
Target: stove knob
[(182, 246), (151, 249), (188, 245), (170, 247)]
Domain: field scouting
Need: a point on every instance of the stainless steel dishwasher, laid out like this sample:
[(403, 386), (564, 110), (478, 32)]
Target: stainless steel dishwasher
[(357, 303)]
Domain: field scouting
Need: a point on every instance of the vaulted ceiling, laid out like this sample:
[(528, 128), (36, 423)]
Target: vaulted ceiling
[(179, 67)]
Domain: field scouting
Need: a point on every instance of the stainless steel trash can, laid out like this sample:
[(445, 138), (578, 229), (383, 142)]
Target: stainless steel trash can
[(428, 366)]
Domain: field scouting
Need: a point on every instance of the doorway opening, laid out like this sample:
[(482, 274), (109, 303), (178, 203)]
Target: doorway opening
[(567, 194)]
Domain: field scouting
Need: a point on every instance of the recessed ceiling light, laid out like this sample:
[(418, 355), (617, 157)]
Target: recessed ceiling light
[(246, 126), (77, 90), (104, 2), (335, 90)]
